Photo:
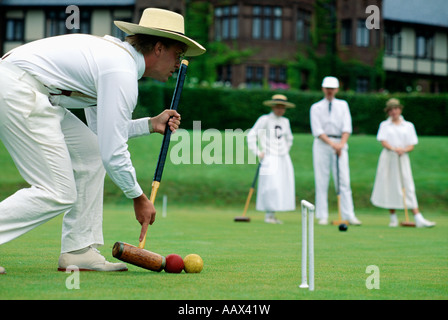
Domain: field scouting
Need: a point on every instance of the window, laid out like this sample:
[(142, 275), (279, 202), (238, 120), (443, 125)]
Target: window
[(303, 26), (225, 73), (254, 76), (362, 34), (14, 30), (393, 44), (392, 40), (424, 46), (278, 23), (277, 74), (55, 23), (226, 23), (362, 85), (346, 32), (267, 23)]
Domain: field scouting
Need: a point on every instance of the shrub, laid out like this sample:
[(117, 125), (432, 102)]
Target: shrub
[(226, 108)]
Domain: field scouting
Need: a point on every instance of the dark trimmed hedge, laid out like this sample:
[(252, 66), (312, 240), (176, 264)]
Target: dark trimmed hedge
[(223, 108)]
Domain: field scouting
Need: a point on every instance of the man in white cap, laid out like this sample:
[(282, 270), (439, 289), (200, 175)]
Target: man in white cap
[(271, 139), (63, 160), (331, 126)]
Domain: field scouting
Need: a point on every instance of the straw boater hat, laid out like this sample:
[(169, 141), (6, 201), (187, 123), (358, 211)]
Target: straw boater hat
[(279, 99), (393, 103), (162, 23)]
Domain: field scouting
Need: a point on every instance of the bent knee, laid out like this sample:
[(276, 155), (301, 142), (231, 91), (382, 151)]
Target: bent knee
[(64, 194)]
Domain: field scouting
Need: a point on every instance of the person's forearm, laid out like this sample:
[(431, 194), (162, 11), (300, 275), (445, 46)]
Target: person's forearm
[(326, 139), (344, 138)]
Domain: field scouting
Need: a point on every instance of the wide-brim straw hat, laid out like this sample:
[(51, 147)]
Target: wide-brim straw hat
[(279, 99), (162, 23), (393, 103)]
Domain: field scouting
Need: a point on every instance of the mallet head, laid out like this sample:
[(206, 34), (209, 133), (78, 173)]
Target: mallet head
[(138, 257), (241, 219)]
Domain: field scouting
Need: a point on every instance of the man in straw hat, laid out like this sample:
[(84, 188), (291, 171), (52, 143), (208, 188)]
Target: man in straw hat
[(63, 160), (331, 126), (271, 139), (394, 174)]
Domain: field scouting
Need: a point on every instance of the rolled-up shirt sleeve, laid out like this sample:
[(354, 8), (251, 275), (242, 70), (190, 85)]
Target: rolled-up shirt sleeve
[(346, 119), (117, 97)]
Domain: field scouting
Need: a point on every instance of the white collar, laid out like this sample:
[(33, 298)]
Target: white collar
[(389, 120), (273, 115)]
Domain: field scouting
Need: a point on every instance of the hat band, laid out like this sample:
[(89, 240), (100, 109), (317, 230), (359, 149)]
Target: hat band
[(182, 34), (280, 100)]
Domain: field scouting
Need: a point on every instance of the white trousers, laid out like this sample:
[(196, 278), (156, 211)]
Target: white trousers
[(57, 155), (324, 162)]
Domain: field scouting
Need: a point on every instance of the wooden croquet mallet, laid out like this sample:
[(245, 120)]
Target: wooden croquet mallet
[(138, 255), (243, 218), (406, 223), (166, 139)]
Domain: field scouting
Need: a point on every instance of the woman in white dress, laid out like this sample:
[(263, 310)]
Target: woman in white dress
[(398, 137), (271, 139)]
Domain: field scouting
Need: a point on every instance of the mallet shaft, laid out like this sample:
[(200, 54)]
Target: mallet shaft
[(152, 198)]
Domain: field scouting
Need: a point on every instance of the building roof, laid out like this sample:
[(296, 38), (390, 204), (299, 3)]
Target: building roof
[(64, 3), (427, 12)]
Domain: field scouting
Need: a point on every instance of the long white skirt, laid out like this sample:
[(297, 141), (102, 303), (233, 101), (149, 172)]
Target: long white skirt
[(276, 186), (387, 190)]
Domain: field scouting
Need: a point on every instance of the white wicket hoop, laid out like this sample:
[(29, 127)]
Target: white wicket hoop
[(307, 212)]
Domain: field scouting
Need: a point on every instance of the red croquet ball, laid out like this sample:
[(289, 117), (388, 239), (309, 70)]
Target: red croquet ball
[(174, 263)]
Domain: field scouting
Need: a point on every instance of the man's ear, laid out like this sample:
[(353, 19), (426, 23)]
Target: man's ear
[(158, 48)]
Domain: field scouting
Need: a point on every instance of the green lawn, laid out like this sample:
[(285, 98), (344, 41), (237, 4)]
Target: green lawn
[(247, 260), (241, 260), (228, 184)]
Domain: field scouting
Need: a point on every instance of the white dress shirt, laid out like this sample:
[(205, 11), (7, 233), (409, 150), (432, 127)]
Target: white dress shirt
[(273, 135), (105, 69), (332, 123), (397, 135)]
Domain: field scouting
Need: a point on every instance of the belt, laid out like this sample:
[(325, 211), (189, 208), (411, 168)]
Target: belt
[(6, 55), (336, 137), (68, 93)]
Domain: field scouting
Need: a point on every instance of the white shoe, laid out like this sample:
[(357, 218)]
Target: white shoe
[(90, 260), (393, 224), (423, 223), (354, 221), (2, 270), (393, 221), (273, 221), (323, 222)]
